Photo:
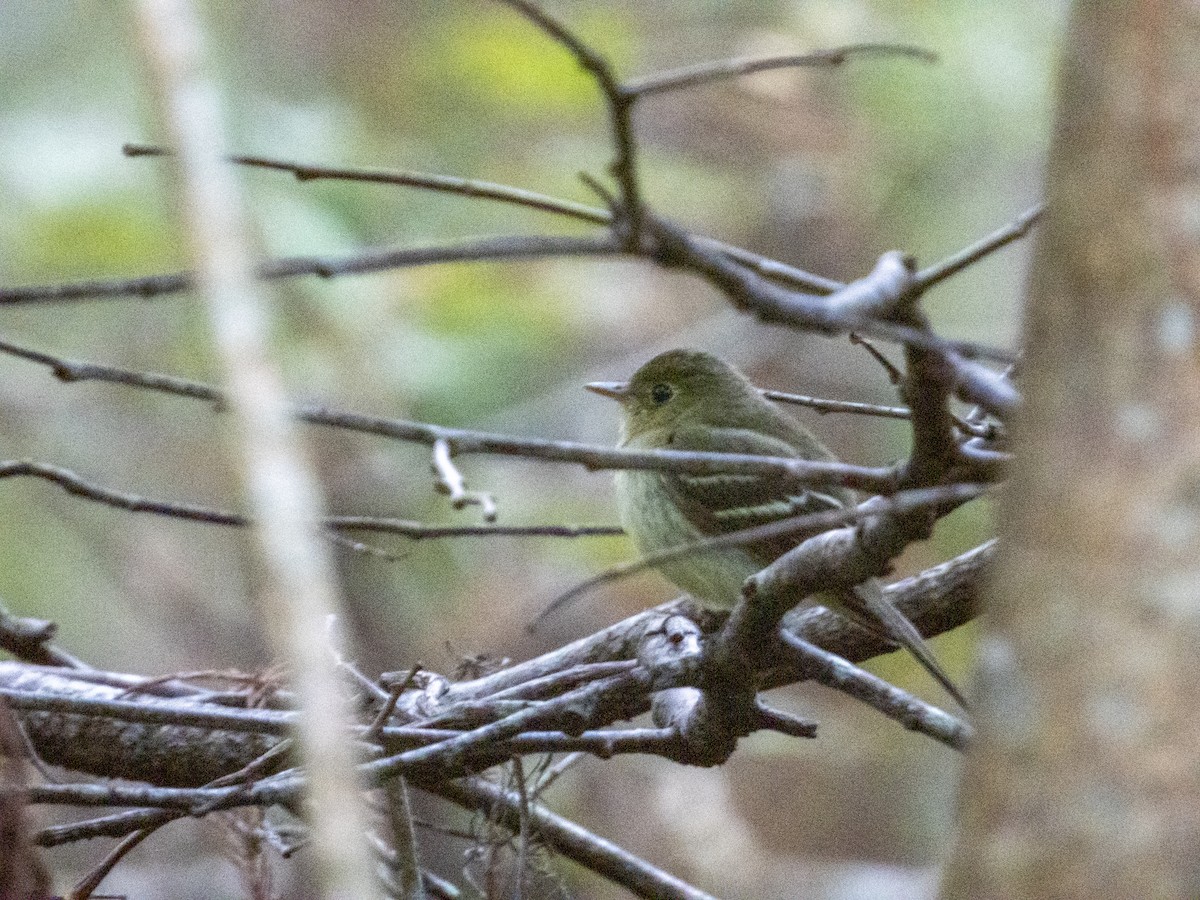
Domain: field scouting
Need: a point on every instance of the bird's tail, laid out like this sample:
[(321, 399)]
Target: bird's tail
[(892, 624)]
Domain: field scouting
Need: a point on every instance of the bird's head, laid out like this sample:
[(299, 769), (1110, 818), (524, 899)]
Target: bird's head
[(680, 387)]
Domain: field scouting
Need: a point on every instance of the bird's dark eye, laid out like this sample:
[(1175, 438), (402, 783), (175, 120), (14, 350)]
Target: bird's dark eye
[(661, 393)]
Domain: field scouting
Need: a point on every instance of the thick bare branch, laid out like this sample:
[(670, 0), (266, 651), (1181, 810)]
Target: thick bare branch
[(196, 743)]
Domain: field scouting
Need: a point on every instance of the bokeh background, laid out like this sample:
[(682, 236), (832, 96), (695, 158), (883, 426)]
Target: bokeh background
[(824, 169)]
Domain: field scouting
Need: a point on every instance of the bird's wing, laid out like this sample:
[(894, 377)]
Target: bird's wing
[(719, 504), (727, 502)]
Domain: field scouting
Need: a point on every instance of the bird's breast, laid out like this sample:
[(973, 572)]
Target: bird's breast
[(650, 515)]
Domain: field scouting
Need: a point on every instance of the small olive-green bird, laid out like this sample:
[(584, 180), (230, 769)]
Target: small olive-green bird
[(691, 400)]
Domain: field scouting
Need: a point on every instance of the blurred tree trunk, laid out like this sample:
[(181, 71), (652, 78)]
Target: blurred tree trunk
[(1086, 778)]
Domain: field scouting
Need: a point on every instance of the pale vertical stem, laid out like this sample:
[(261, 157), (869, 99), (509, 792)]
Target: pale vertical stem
[(298, 595)]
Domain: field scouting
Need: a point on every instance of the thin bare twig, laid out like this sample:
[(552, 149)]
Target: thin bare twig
[(968, 256), (555, 772), (449, 184), (895, 376), (467, 441), (360, 263), (75, 484), (389, 707), (603, 743), (784, 722), (914, 714), (85, 886), (418, 531), (572, 841), (823, 406), (975, 429), (702, 73)]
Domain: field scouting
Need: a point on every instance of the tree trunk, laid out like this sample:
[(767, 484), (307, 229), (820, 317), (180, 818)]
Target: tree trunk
[(1086, 778)]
